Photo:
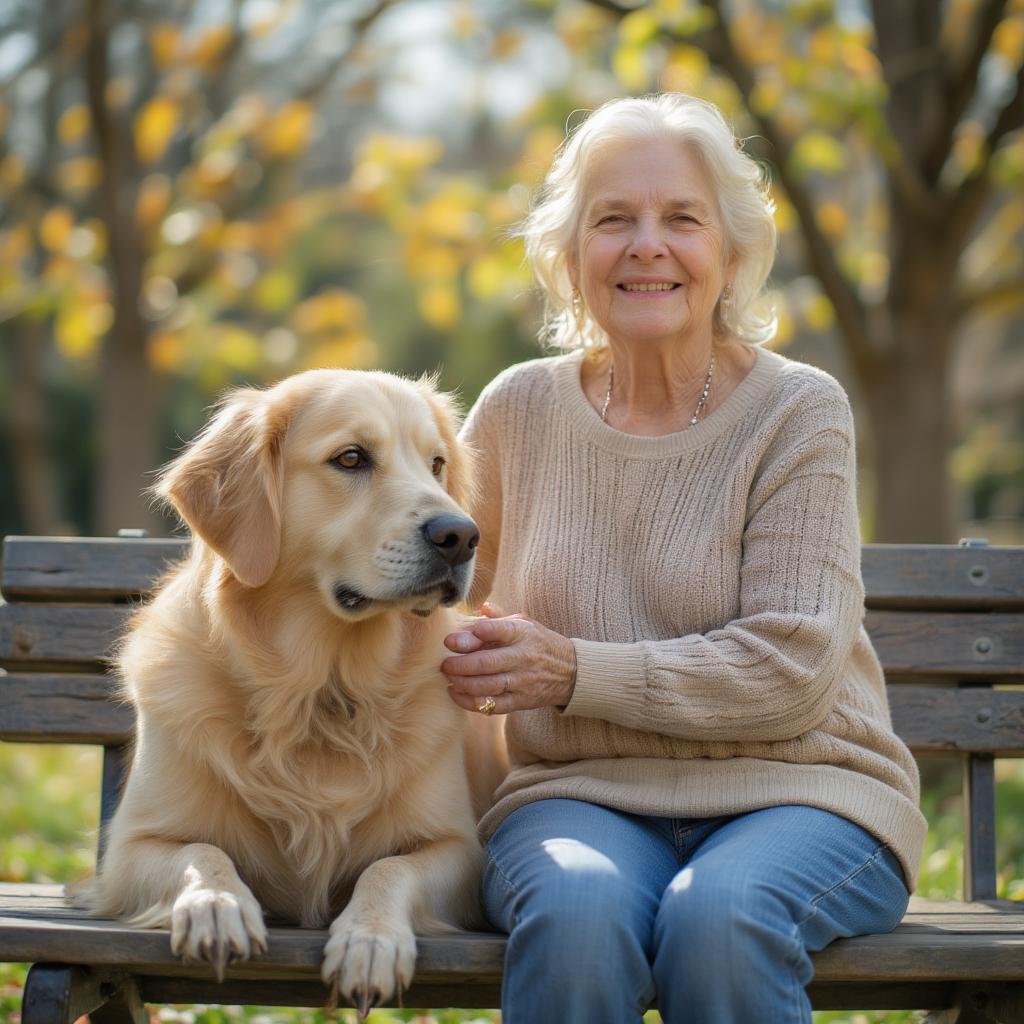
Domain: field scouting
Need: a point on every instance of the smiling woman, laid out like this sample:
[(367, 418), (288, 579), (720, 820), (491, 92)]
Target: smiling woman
[(705, 785)]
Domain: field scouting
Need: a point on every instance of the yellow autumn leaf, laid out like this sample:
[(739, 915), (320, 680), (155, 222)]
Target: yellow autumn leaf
[(639, 27), (426, 261), (153, 200), (784, 214), (1008, 40), (486, 277), (155, 126), (818, 313), (276, 291), (55, 228), (346, 351), (686, 70), (211, 46), (333, 309), (581, 26), (766, 95), (73, 330), (816, 151), (12, 171), (165, 351), (73, 124), (289, 129), (163, 44), (237, 348), (440, 306), (79, 174), (630, 65), (832, 219), (505, 44)]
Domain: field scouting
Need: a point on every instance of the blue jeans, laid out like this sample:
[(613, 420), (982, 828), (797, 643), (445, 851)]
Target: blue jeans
[(713, 917)]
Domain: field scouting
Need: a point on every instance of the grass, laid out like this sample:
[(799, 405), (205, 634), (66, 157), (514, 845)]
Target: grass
[(48, 817)]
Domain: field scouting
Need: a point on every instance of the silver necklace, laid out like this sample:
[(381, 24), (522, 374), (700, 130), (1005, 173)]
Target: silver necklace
[(696, 412)]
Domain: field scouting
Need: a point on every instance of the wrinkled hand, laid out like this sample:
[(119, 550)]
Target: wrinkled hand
[(512, 659)]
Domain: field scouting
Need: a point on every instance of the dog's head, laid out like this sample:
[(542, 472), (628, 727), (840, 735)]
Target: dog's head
[(352, 482)]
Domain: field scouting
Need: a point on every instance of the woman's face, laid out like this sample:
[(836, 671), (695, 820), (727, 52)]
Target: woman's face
[(649, 258)]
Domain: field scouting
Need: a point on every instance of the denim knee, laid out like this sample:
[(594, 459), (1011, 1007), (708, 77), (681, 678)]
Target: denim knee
[(728, 924)]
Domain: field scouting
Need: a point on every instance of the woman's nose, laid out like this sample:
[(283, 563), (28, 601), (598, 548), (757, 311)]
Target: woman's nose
[(648, 241)]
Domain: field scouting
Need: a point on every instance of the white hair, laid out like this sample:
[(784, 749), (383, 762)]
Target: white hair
[(737, 181)]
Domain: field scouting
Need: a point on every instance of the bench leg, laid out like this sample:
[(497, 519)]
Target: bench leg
[(59, 994), (1000, 1005)]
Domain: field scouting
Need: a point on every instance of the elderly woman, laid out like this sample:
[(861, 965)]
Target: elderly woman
[(705, 785)]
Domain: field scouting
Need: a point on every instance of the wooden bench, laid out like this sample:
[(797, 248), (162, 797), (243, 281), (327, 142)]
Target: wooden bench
[(948, 624)]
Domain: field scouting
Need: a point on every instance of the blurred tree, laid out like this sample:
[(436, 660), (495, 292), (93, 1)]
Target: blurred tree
[(925, 105), (120, 238), (194, 192)]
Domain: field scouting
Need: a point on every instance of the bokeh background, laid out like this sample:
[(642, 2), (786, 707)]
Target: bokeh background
[(201, 193)]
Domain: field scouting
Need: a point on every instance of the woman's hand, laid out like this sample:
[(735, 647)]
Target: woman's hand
[(512, 659)]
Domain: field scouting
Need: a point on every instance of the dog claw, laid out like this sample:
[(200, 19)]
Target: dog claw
[(367, 1000)]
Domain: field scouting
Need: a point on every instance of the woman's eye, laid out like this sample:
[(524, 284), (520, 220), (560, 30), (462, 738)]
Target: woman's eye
[(437, 465), (352, 458)]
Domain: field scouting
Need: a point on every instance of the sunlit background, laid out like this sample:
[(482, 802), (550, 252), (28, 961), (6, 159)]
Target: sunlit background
[(200, 193)]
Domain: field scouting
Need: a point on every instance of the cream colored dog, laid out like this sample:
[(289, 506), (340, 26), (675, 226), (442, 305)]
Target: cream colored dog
[(296, 748)]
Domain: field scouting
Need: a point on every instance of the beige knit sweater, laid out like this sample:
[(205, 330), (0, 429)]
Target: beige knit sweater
[(710, 580)]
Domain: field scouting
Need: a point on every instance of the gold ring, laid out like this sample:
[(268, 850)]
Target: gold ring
[(487, 705)]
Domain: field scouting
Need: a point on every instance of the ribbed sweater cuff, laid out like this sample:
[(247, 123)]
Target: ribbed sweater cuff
[(609, 680)]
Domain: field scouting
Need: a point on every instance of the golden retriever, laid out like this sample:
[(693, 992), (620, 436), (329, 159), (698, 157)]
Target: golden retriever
[(296, 747)]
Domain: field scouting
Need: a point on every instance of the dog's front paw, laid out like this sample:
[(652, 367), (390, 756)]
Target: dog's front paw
[(368, 960), (218, 926)]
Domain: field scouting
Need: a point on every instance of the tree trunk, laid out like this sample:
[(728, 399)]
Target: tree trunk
[(908, 408), (33, 470), (128, 391)]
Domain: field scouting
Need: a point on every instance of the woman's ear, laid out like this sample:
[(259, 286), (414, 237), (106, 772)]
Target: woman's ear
[(227, 485)]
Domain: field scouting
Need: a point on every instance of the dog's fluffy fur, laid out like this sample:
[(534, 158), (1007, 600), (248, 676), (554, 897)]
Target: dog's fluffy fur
[(296, 748)]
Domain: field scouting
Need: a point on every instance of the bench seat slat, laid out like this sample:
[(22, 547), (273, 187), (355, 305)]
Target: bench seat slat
[(940, 943), (929, 644), (63, 709), (959, 645), (895, 575), (936, 719), (943, 576), (61, 636), (85, 569), (930, 719)]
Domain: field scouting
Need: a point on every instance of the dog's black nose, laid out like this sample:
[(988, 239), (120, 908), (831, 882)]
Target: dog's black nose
[(455, 537)]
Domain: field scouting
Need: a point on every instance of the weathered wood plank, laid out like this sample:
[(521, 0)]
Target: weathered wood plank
[(929, 644), (943, 576), (895, 575), (952, 644), (61, 636), (81, 569), (79, 709), (934, 719), (63, 709), (908, 954)]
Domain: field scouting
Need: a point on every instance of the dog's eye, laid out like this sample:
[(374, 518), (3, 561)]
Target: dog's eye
[(352, 458), (437, 465)]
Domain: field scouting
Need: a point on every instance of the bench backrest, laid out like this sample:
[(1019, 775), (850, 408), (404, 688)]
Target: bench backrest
[(947, 623)]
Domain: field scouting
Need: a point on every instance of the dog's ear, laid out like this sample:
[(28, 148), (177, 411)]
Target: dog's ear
[(459, 476), (227, 485)]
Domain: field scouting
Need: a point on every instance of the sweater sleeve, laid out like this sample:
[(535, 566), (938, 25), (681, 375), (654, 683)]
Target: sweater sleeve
[(773, 672)]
